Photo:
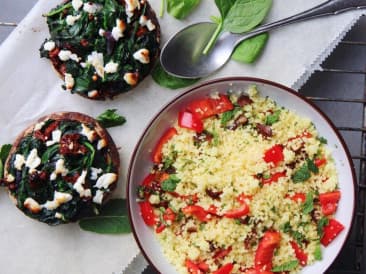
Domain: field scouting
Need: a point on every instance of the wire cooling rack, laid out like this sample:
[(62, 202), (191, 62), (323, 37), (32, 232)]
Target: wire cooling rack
[(351, 260)]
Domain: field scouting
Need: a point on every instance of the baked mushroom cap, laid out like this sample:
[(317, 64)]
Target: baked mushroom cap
[(62, 168), (102, 48)]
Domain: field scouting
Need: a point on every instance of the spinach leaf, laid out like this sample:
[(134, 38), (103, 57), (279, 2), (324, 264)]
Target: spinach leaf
[(322, 140), (224, 6), (286, 266), (171, 183), (112, 219), (249, 50), (4, 152), (309, 203), (58, 9), (228, 115), (88, 161), (245, 15), (312, 167), (49, 153), (162, 78), (302, 174), (110, 118), (273, 118), (181, 8)]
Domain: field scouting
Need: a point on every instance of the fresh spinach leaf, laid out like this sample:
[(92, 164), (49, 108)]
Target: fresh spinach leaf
[(171, 183), (308, 204), (110, 118), (180, 9), (302, 174), (245, 15), (228, 115), (224, 6), (312, 167), (58, 9), (249, 50), (49, 153), (273, 118), (162, 78), (286, 266), (4, 152), (112, 219), (88, 161)]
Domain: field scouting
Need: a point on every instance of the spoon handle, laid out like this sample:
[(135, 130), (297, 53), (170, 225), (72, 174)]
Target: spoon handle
[(331, 7)]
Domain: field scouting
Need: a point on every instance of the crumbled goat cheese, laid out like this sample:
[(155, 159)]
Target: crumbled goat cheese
[(101, 32), (101, 143), (33, 161), (111, 67), (117, 31), (49, 45), (95, 172), (92, 93), (70, 19), (147, 22), (96, 59), (142, 56), (131, 78), (38, 126), (19, 161), (69, 81), (98, 198), (91, 7), (32, 205), (88, 133), (59, 198), (59, 169), (56, 136), (77, 4), (78, 186), (105, 180)]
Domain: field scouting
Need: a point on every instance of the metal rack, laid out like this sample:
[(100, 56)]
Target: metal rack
[(351, 260)]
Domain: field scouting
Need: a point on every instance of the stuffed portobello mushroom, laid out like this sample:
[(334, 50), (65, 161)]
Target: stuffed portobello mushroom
[(62, 168), (102, 48)]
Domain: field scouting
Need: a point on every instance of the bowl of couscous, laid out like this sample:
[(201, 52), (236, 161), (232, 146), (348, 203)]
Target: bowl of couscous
[(241, 175)]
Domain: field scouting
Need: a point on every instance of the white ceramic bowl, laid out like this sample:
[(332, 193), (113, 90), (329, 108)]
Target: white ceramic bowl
[(141, 163)]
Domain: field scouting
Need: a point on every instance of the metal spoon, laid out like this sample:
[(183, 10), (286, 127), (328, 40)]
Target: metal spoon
[(182, 54)]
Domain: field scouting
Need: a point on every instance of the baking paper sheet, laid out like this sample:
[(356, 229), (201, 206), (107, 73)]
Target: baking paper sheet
[(29, 88)]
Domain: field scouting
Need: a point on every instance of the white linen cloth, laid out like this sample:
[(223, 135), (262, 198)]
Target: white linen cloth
[(29, 88)]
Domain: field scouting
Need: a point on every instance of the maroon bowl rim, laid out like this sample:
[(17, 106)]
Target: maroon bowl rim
[(247, 79)]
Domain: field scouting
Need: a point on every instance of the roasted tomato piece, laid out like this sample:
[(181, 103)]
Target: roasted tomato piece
[(225, 269), (69, 144), (190, 121), (297, 197), (147, 213), (274, 177), (243, 210), (222, 253), (299, 253), (329, 202), (331, 231), (169, 215), (208, 107), (199, 212), (192, 267), (264, 253), (157, 153), (320, 162), (274, 155)]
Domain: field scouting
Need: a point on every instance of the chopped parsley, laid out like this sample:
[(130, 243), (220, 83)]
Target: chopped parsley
[(302, 174), (322, 140), (273, 118), (312, 167), (321, 224), (228, 116), (309, 203), (171, 183)]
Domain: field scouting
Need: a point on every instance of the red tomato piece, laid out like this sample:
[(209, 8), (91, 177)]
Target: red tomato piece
[(222, 253), (274, 154), (169, 215), (238, 212), (208, 107), (148, 180), (264, 253), (274, 177), (192, 267), (197, 211), (160, 228), (225, 269), (203, 266), (331, 231), (329, 202), (190, 121), (242, 197), (157, 153), (297, 197), (147, 213), (300, 254), (254, 271), (212, 210), (320, 162)]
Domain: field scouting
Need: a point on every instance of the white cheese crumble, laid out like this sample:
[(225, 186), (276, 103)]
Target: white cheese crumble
[(19, 161), (147, 22), (117, 31), (59, 198), (131, 5), (91, 7), (58, 215), (32, 205), (10, 178), (77, 4), (33, 161), (64, 55), (101, 143), (94, 173), (142, 56), (106, 180), (96, 59), (98, 198), (71, 19), (59, 169), (69, 81), (78, 186), (111, 67), (49, 45), (56, 137), (130, 78), (101, 32), (88, 133), (92, 93), (38, 126)]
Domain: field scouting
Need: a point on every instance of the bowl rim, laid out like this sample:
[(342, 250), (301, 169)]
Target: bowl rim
[(247, 79)]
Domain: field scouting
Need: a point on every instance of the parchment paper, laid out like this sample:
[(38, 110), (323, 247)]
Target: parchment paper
[(29, 89)]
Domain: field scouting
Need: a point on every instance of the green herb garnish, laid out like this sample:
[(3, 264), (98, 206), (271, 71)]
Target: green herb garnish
[(312, 167), (302, 174), (309, 203), (318, 252), (4, 152), (228, 116), (286, 266), (110, 118), (171, 183), (181, 9), (273, 118), (322, 140), (321, 224)]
